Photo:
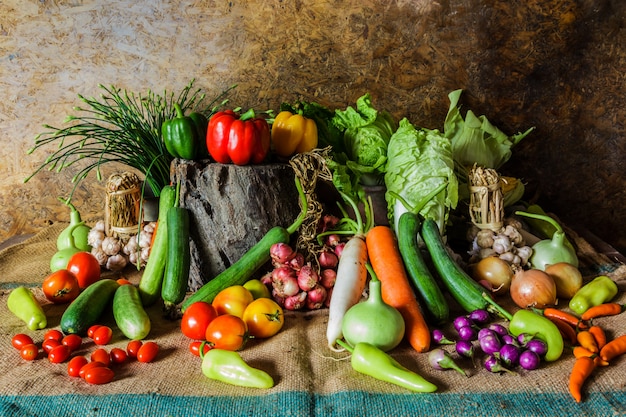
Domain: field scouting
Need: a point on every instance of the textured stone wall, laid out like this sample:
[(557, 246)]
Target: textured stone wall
[(557, 65)]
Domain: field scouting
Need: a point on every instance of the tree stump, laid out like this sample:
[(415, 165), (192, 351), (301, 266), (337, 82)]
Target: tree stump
[(230, 209)]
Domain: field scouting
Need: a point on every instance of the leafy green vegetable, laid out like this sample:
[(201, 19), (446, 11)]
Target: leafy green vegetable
[(366, 134), (419, 161), (475, 140)]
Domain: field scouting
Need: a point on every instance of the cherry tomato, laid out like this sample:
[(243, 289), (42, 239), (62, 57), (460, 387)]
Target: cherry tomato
[(118, 355), (194, 347), (264, 318), (227, 332), (102, 356), (75, 364), (59, 354), (29, 352), (89, 366), (102, 335), (232, 300), (49, 344), (99, 375), (147, 352), (133, 347), (196, 319), (53, 334), (72, 341), (61, 287), (92, 329), (20, 340), (86, 268)]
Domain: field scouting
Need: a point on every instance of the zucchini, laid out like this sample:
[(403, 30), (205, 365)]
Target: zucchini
[(88, 307), (152, 277), (178, 260), (465, 290), (239, 272), (422, 279), (130, 316)]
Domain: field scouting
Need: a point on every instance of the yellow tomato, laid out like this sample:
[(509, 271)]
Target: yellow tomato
[(232, 300), (264, 318)]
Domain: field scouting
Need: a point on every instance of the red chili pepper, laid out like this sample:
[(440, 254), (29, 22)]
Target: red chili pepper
[(567, 331), (238, 139)]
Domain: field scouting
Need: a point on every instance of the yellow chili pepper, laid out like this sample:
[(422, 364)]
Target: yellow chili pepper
[(293, 133)]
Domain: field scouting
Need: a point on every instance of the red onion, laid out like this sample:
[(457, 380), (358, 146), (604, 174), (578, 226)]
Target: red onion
[(329, 293), (316, 297), (332, 240), (307, 278), (285, 281), (297, 261), (339, 249), (281, 253), (296, 301), (328, 259), (328, 278)]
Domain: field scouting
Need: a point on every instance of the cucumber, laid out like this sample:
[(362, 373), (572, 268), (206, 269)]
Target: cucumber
[(178, 260), (239, 272), (430, 294), (466, 291), (88, 307), (152, 278), (130, 316)]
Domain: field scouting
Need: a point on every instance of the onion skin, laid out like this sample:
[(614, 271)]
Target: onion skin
[(567, 278), (533, 288), (497, 272)]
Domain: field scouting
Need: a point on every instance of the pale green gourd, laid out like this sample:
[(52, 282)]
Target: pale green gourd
[(76, 229)]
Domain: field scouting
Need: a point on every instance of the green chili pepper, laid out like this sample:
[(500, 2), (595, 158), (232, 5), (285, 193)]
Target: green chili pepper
[(598, 291), (24, 305), (369, 360), (180, 135), (529, 322), (229, 367)]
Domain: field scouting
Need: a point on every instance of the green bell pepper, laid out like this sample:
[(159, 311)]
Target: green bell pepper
[(598, 291), (370, 360), (24, 305), (229, 367), (531, 323), (181, 135)]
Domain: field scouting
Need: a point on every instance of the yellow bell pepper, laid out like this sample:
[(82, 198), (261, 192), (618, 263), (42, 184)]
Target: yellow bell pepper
[(293, 133)]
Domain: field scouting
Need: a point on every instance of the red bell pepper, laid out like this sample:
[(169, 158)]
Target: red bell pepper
[(240, 139)]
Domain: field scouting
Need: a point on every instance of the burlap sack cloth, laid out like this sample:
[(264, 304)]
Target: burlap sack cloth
[(297, 357)]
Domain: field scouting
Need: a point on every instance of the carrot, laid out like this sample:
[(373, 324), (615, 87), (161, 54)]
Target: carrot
[(386, 260), (582, 369), (603, 310), (566, 330), (613, 348), (599, 335), (586, 340), (551, 312)]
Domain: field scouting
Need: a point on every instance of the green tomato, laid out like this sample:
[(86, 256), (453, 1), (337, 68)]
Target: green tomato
[(258, 289)]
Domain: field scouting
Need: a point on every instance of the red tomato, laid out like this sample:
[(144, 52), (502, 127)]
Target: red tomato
[(72, 341), (102, 335), (75, 364), (20, 340), (194, 347), (118, 355), (92, 329), (196, 319), (59, 354), (49, 344), (133, 347), (29, 352), (102, 356), (147, 352), (99, 375), (232, 300), (227, 332), (89, 366), (86, 268), (53, 334), (61, 287), (264, 318)]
